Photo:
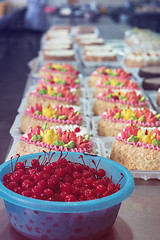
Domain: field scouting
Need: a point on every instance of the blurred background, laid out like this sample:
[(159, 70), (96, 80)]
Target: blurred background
[(18, 13)]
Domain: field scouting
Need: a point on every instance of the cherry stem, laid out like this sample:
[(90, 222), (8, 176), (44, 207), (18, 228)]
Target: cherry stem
[(120, 179), (82, 159), (12, 164)]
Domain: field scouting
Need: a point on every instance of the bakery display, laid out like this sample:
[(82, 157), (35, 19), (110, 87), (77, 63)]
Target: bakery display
[(39, 114), (46, 94), (109, 98), (71, 138), (103, 72), (137, 148), (112, 121), (62, 91), (58, 70)]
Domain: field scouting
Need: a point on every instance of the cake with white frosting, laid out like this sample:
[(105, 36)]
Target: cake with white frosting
[(141, 59)]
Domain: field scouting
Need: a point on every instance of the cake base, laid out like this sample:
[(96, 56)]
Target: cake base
[(135, 158), (109, 129), (93, 80), (28, 121), (24, 148), (100, 106)]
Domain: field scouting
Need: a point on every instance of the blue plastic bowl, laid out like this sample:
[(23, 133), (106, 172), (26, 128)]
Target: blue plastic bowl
[(39, 219)]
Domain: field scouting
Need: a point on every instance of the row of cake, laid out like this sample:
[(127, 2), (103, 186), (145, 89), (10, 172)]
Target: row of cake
[(52, 119), (126, 115), (62, 43)]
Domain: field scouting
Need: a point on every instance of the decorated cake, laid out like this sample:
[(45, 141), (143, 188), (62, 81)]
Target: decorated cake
[(112, 121), (46, 94), (139, 59), (115, 83), (53, 115), (64, 81), (137, 148), (103, 72), (122, 98), (59, 70), (71, 138)]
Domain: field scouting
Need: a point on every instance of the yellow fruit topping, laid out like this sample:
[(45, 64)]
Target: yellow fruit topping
[(49, 136)]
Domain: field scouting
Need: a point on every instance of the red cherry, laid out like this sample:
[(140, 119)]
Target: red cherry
[(100, 189), (42, 183), (77, 129), (27, 193), (101, 173), (51, 183), (37, 190), (65, 187), (19, 165), (70, 198), (48, 192), (35, 163), (27, 184), (12, 185)]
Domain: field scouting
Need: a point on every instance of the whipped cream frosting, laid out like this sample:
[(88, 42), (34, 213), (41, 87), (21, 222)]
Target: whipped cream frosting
[(60, 53), (102, 53)]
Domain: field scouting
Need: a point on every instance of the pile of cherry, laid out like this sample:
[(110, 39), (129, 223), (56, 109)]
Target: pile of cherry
[(62, 180)]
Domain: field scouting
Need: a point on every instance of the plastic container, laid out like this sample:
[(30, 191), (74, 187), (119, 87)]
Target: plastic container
[(39, 219)]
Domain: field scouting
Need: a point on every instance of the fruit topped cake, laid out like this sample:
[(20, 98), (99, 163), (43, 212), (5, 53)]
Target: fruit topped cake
[(122, 98), (59, 138), (65, 80), (58, 70), (47, 94), (115, 83), (112, 121), (57, 80), (137, 148), (103, 72), (39, 114)]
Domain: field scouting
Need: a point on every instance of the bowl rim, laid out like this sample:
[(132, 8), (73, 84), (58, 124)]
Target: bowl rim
[(68, 207)]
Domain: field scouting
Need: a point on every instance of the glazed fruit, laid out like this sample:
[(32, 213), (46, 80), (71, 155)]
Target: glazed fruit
[(59, 181)]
